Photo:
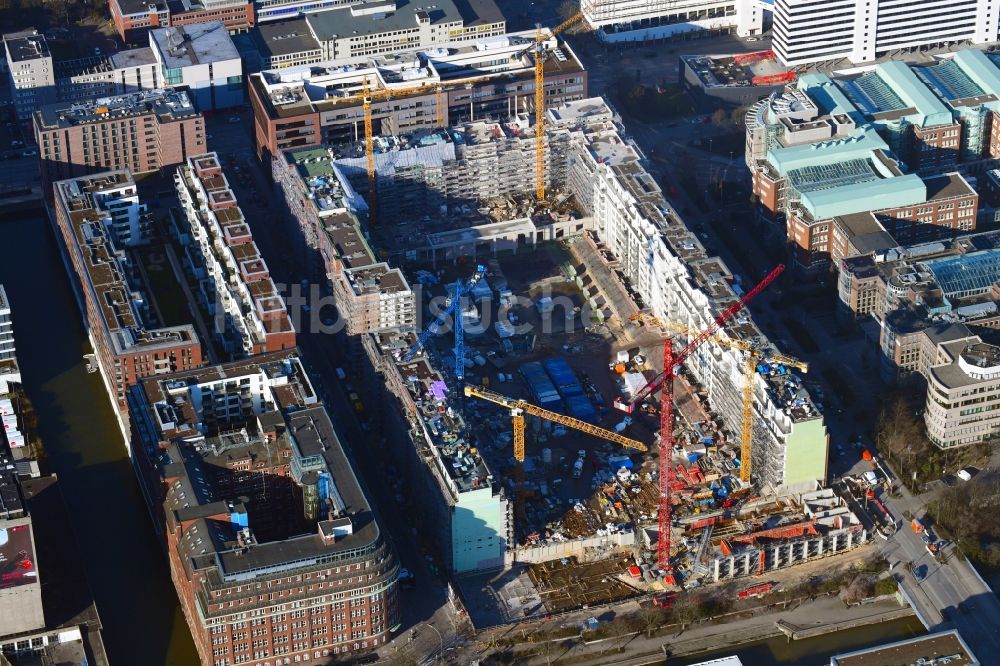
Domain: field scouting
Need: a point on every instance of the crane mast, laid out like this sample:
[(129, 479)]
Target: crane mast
[(666, 381)]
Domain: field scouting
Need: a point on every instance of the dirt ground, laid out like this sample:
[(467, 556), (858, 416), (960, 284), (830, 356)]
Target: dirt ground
[(571, 585)]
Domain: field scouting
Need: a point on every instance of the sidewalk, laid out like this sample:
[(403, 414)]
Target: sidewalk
[(824, 612)]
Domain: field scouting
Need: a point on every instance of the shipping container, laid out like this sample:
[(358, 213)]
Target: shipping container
[(579, 407), (563, 377), (541, 387)]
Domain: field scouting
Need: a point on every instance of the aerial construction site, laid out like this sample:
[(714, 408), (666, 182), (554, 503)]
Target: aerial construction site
[(560, 369)]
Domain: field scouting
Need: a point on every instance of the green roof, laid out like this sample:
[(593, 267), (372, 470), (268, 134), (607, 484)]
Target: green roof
[(311, 162), (908, 190)]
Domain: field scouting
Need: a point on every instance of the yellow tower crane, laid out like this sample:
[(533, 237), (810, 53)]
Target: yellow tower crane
[(751, 355), (538, 53), (518, 408)]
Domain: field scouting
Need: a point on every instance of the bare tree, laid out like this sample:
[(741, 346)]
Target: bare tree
[(720, 117), (651, 619), (684, 611), (899, 433)]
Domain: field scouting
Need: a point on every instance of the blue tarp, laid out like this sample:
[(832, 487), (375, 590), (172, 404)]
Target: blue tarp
[(563, 377), (579, 407), (542, 389)]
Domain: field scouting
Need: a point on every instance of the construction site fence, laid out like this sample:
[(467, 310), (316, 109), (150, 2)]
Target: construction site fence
[(575, 548)]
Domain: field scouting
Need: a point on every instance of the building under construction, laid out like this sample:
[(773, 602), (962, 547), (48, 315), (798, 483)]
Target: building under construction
[(445, 197)]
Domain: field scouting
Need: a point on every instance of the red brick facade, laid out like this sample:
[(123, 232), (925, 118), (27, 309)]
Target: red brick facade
[(133, 19)]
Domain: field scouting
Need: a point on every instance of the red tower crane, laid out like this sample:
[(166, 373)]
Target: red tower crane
[(665, 380)]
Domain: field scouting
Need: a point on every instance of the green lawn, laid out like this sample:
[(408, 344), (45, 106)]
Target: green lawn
[(165, 287)]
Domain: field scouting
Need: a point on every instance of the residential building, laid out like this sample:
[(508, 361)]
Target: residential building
[(31, 71), (234, 285), (673, 278), (21, 591), (9, 371), (441, 86), (251, 490), (463, 506), (617, 21), (806, 31), (134, 18), (201, 57), (941, 646), (388, 26), (142, 131), (99, 218), (6, 328)]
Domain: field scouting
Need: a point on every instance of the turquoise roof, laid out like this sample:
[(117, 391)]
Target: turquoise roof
[(908, 190), (914, 93), (978, 67), (828, 97), (856, 147)]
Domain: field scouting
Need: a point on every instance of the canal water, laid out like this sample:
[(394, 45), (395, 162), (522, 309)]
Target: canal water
[(110, 526), (125, 566)]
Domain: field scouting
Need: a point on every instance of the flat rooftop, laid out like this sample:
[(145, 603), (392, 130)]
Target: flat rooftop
[(925, 649), (141, 6), (399, 15), (166, 105), (26, 45), (279, 411), (284, 38), (107, 274), (194, 44)]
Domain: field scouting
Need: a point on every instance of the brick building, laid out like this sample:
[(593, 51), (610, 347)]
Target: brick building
[(99, 219), (142, 132), (134, 18), (274, 551)]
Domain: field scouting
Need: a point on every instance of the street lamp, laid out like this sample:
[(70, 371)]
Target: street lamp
[(437, 655)]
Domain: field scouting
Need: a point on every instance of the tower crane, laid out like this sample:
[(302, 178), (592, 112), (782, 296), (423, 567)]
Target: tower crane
[(518, 408), (538, 52), (665, 381), (454, 307), (752, 356)]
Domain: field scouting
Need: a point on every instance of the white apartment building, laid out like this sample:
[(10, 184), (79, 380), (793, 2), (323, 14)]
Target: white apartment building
[(679, 282), (6, 328), (963, 394), (641, 20), (234, 283), (387, 26), (807, 31)]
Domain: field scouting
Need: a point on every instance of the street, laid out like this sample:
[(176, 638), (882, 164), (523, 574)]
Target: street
[(429, 622)]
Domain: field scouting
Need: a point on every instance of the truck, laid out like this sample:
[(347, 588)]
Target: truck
[(917, 526), (755, 591)]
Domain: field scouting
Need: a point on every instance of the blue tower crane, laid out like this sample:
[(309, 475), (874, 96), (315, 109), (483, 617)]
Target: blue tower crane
[(453, 308)]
